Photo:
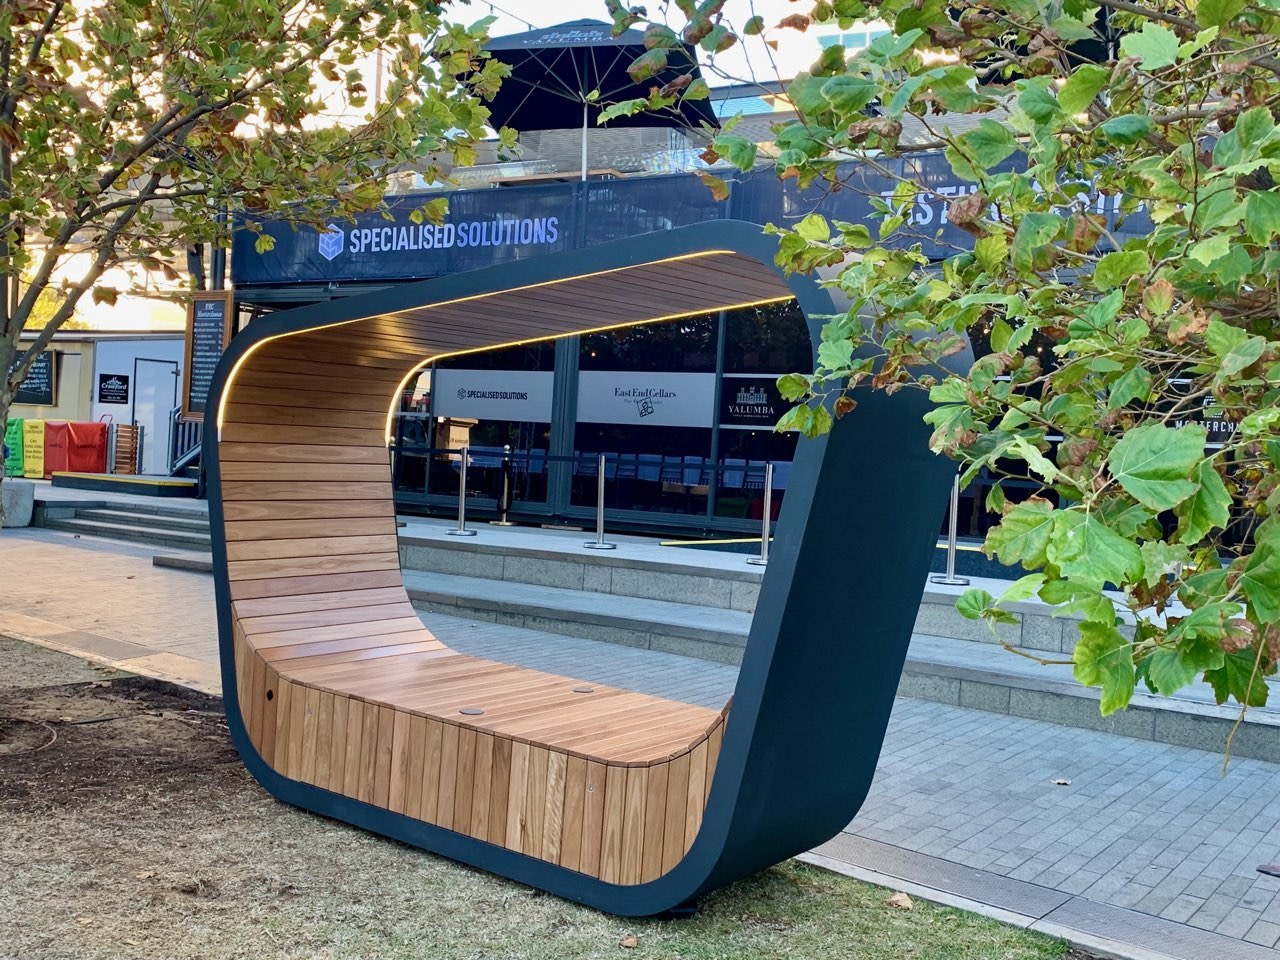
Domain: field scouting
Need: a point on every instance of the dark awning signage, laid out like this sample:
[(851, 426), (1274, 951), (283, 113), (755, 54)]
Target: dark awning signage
[(500, 225)]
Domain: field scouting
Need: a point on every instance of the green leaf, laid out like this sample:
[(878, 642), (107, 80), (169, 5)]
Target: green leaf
[(1133, 384), (1034, 230), (849, 94), (1207, 251), (950, 390), (1218, 13), (739, 151), (814, 228), (1262, 215), (1155, 46), (1040, 465), (835, 354), (1097, 317), (793, 386), (623, 108), (1243, 355), (1222, 338), (1239, 677), (1103, 658), (1154, 463), (1260, 581), (1115, 268), (797, 418), (1168, 672), (1024, 588), (973, 603), (1086, 549), (991, 251), (1127, 128), (1083, 85), (1035, 100), (1202, 39), (1160, 558), (1022, 536), (989, 143)]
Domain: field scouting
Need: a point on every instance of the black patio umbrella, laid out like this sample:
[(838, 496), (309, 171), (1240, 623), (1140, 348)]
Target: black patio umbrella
[(555, 72)]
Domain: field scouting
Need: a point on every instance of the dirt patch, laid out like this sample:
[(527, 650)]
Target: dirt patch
[(106, 743), (137, 833)]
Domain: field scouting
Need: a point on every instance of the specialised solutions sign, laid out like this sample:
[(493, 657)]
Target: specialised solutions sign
[(523, 396), (482, 228)]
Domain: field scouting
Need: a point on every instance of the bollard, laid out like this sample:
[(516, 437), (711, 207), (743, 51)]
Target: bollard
[(599, 542), (504, 504), (763, 559), (462, 530), (950, 578)]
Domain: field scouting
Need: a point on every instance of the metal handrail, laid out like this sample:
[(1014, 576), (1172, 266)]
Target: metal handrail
[(187, 436)]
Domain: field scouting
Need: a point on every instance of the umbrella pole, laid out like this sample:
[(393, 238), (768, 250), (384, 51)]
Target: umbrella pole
[(584, 141)]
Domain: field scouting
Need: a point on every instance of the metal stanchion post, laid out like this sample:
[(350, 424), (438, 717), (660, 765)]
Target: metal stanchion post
[(763, 559), (950, 577), (504, 504), (599, 542), (462, 530)]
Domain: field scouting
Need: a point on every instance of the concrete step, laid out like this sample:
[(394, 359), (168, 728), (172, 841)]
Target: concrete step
[(191, 561), (150, 521), (973, 672), (694, 630), (182, 539), (638, 569)]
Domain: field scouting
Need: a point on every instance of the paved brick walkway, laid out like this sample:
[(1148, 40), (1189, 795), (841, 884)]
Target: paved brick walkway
[(1149, 827)]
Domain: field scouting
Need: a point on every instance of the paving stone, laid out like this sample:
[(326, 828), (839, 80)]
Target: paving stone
[(1145, 823), (1264, 932)]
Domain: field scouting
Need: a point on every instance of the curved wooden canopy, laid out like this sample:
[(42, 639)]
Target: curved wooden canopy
[(340, 701)]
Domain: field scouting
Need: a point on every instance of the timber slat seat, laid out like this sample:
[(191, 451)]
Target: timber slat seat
[(341, 701)]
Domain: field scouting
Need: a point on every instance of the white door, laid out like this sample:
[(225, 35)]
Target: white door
[(154, 397)]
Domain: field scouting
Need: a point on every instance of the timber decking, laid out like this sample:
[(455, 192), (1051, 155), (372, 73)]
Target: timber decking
[(341, 687)]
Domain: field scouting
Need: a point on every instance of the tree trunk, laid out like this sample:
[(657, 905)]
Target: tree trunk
[(8, 351)]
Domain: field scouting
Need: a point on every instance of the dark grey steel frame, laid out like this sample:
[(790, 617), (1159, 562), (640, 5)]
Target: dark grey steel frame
[(826, 646)]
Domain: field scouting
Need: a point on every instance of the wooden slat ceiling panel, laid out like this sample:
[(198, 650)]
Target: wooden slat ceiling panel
[(630, 296)]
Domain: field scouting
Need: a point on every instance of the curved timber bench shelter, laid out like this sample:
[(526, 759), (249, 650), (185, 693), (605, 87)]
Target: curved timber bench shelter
[(341, 702)]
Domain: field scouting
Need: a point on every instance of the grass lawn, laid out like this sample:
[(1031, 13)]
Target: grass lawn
[(136, 833)]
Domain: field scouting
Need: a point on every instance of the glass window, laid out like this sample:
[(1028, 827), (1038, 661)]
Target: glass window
[(487, 402), (685, 345), (646, 399), (744, 455), (769, 339)]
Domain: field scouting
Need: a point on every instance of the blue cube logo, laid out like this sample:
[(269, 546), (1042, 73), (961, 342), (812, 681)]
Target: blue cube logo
[(332, 242)]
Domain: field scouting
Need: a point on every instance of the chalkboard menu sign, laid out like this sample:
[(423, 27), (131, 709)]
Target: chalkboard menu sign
[(208, 333), (39, 387)]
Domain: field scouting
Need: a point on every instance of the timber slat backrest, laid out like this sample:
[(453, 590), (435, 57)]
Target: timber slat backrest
[(341, 700)]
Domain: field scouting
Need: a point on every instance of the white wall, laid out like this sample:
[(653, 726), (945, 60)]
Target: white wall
[(116, 357)]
